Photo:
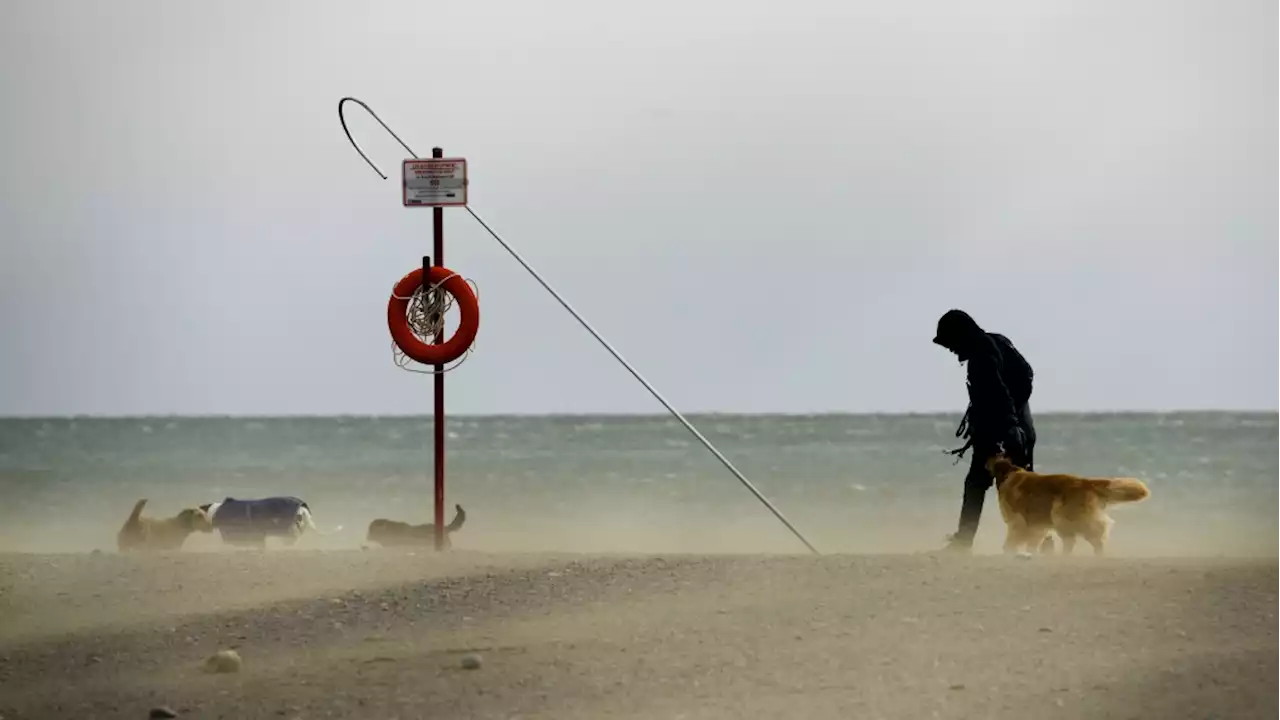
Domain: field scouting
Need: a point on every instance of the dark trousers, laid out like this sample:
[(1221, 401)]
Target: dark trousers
[(978, 479)]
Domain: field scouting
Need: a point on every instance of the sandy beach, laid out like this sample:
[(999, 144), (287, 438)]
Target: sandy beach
[(379, 634)]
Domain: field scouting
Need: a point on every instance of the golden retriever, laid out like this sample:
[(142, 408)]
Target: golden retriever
[(392, 533), (1032, 504), (140, 533)]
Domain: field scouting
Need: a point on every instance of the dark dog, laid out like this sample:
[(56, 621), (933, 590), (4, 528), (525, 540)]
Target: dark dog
[(251, 522), (392, 533)]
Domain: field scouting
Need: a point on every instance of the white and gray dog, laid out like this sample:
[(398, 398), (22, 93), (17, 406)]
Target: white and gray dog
[(251, 522)]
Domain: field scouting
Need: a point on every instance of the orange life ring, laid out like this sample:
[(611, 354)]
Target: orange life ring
[(403, 335)]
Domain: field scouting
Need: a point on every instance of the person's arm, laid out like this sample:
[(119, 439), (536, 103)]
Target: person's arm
[(991, 395)]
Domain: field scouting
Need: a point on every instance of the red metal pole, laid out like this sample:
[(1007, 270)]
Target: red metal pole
[(437, 228)]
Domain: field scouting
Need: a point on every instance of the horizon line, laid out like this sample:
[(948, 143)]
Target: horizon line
[(645, 415)]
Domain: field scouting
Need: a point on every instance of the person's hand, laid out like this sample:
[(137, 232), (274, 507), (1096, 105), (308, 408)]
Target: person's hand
[(1014, 443)]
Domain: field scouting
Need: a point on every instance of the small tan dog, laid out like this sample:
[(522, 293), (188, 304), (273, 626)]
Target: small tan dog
[(140, 533), (1033, 504), (392, 533)]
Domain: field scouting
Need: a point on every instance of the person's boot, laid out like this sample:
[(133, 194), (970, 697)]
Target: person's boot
[(957, 543)]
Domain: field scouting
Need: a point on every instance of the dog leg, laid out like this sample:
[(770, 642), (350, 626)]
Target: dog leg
[(1025, 542), (1096, 535), (1036, 539), (1099, 545), (1046, 547), (295, 531), (1068, 542), (1106, 531), (1010, 540)]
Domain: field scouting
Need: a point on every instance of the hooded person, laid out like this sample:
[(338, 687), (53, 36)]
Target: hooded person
[(998, 417)]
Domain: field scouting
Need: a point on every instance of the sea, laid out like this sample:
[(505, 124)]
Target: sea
[(847, 483)]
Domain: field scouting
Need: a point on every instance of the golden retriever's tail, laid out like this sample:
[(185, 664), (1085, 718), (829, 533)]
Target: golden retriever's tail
[(137, 510), (1118, 490)]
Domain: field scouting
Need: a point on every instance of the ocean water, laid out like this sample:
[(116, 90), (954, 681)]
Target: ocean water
[(851, 483)]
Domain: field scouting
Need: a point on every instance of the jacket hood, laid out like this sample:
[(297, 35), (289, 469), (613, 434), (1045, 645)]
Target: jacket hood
[(957, 332)]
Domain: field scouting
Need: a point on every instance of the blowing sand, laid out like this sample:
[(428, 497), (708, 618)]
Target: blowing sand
[(382, 634)]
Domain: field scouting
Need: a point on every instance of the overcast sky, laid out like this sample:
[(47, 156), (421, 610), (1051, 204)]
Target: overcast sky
[(764, 206)]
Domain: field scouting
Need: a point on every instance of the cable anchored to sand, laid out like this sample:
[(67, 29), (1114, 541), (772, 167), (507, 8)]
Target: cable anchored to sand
[(647, 386), (582, 321)]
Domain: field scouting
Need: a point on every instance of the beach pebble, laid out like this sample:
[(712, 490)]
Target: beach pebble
[(470, 661), (223, 661), (162, 712)]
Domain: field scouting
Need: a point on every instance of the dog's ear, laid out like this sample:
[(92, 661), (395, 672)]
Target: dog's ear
[(995, 463)]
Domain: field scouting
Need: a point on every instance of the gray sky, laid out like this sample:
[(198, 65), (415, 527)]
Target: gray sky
[(764, 206)]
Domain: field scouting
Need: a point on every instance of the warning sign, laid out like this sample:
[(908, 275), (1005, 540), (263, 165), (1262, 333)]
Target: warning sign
[(436, 182)]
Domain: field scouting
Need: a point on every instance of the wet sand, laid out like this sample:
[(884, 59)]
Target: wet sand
[(382, 634)]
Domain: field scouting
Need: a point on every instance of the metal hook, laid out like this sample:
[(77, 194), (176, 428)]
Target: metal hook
[(356, 145)]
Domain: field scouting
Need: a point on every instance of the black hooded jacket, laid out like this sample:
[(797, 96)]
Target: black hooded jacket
[(999, 378)]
